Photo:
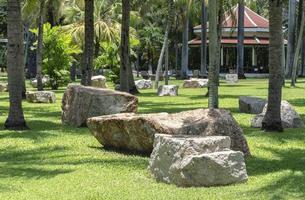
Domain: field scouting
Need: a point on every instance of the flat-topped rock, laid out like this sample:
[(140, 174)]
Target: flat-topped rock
[(143, 84), (41, 97), (80, 103), (136, 132), (290, 118), (232, 78), (3, 87), (168, 90), (99, 81), (195, 83), (251, 105), (194, 161)]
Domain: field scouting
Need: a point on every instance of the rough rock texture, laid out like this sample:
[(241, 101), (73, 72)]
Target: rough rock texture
[(195, 83), (251, 105), (194, 161), (41, 97), (3, 87), (45, 81), (136, 131), (168, 90), (99, 81), (232, 78), (143, 84), (80, 103), (290, 118)]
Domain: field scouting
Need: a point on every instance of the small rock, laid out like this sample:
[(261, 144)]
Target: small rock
[(143, 84), (194, 161), (232, 78), (3, 87), (168, 90), (99, 81), (41, 97), (290, 118), (45, 81), (195, 83), (251, 105)]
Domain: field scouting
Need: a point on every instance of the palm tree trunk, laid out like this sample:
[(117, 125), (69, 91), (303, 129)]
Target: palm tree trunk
[(213, 59), (303, 58), (241, 34), (124, 48), (298, 49), (40, 46), (291, 37), (165, 43), (166, 64), (15, 66), (203, 55), (87, 60), (185, 47), (272, 120)]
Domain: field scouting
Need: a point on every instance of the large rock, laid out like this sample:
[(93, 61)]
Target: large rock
[(99, 81), (232, 78), (290, 118), (41, 97), (143, 84), (45, 81), (168, 90), (251, 105), (136, 131), (194, 161), (80, 103), (195, 83), (3, 87)]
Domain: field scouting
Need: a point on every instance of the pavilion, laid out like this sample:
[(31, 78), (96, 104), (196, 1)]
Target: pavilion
[(256, 42)]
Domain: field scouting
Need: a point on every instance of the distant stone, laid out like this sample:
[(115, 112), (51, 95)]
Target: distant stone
[(80, 103), (3, 87), (45, 81), (41, 97), (168, 90), (136, 132), (195, 83), (143, 84), (194, 161), (232, 78), (251, 105), (99, 81), (290, 118)]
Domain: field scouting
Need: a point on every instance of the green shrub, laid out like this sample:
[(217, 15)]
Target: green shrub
[(58, 54)]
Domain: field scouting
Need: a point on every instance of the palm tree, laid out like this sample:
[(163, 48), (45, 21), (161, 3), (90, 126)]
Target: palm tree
[(87, 59), (40, 46), (203, 55), (15, 66), (272, 120), (240, 49)]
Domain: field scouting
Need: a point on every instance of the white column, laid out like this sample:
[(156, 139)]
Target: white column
[(221, 52)]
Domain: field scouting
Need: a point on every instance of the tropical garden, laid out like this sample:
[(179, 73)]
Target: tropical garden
[(91, 89)]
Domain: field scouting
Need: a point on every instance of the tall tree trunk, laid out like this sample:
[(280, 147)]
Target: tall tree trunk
[(96, 48), (15, 66), (165, 43), (185, 47), (298, 49), (213, 58), (124, 48), (87, 60), (40, 46), (166, 64), (272, 120), (291, 37), (203, 46), (303, 59), (241, 35)]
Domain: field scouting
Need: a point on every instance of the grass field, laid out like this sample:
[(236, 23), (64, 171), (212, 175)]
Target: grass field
[(52, 161)]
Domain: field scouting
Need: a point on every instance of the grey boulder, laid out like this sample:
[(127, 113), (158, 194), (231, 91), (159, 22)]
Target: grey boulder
[(251, 105), (143, 84), (99, 81), (3, 87), (195, 83), (45, 81), (41, 97), (232, 78), (168, 90)]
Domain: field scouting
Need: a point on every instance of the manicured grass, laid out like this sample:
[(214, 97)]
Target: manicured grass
[(52, 161)]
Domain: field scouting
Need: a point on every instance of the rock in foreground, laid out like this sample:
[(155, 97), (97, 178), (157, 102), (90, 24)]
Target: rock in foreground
[(251, 105), (290, 118), (194, 161), (80, 103), (168, 90), (99, 81), (195, 83), (143, 84), (136, 132), (41, 97)]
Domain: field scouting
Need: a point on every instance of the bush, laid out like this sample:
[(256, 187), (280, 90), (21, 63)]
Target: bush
[(58, 54)]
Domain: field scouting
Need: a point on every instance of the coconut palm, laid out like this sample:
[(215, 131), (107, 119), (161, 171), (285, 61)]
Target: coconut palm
[(241, 33), (203, 55), (272, 120), (15, 66)]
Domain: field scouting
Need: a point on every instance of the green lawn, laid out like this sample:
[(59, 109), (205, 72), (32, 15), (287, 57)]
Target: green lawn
[(52, 161)]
